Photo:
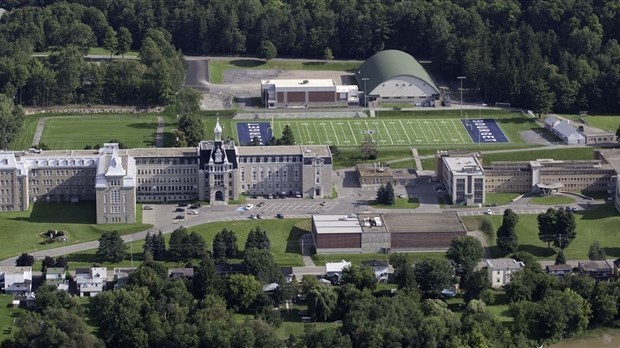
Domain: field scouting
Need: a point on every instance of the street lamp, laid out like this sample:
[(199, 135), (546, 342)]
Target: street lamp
[(461, 78), (365, 95)]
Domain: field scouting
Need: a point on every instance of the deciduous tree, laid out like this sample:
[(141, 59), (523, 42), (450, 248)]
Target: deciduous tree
[(24, 260), (267, 50), (466, 252), (322, 301), (433, 276), (110, 42), (124, 41), (368, 148), (596, 253), (362, 277), (241, 291), (11, 120)]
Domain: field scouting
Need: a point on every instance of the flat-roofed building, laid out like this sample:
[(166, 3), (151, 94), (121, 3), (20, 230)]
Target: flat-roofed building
[(612, 157), (463, 178), (499, 271), (374, 233), (307, 93)]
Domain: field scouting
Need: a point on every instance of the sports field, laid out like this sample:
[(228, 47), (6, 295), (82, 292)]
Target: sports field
[(386, 132), (75, 132)]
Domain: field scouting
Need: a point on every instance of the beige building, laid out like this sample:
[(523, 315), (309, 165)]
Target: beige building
[(116, 179), (464, 179)]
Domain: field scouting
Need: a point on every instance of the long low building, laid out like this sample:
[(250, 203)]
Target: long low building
[(307, 93), (372, 233), (116, 179)]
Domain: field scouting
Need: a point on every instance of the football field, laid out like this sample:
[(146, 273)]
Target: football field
[(387, 132)]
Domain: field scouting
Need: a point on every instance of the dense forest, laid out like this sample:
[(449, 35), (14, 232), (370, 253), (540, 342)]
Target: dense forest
[(537, 54)]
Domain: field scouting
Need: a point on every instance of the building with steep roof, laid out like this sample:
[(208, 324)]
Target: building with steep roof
[(396, 77)]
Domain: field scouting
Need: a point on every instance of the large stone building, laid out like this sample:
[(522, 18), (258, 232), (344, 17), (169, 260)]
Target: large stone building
[(116, 179)]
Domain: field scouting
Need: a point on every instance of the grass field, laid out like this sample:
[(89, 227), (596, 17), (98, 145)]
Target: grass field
[(7, 315), (500, 198), (608, 123), (600, 223), (283, 235), (21, 231), (218, 66), (552, 200), (399, 203), (79, 131)]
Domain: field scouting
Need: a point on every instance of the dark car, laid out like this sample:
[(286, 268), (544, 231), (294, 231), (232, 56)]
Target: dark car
[(147, 207), (261, 204), (194, 206), (183, 204), (280, 216), (179, 217), (179, 210)]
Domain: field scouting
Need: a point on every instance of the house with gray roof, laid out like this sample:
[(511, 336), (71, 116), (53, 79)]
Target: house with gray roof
[(568, 133), (500, 270), (396, 77)]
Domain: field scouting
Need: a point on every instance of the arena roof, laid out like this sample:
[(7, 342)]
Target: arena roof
[(388, 64)]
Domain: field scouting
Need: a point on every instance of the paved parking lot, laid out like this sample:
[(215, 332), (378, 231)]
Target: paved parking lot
[(286, 205), (500, 211)]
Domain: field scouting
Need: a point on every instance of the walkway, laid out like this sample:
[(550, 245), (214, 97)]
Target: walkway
[(159, 136), (416, 159), (306, 244), (36, 140)]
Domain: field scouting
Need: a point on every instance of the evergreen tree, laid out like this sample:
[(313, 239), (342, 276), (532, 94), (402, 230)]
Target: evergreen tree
[(287, 136), (267, 50), (197, 246), (389, 198), (219, 247), (230, 240), (111, 248), (258, 239), (618, 134), (381, 195), (178, 249), (506, 235), (148, 245), (560, 259), (159, 246)]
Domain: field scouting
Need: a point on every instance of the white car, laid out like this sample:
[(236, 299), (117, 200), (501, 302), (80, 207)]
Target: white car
[(249, 206), (489, 212), (193, 212)]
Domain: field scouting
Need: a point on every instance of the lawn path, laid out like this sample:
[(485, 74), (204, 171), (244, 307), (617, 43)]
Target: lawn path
[(159, 135), (37, 134)]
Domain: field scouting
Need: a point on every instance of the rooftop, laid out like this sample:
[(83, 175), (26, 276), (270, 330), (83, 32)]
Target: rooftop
[(305, 150), (594, 266), (375, 169), (507, 264), (336, 266), (410, 223), (163, 152), (299, 83), (469, 165), (335, 224)]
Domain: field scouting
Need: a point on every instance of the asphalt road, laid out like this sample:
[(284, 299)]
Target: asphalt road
[(198, 74)]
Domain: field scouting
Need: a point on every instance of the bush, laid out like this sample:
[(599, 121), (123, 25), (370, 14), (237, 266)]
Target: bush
[(488, 296)]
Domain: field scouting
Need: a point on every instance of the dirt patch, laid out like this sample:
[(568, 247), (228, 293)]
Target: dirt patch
[(219, 101)]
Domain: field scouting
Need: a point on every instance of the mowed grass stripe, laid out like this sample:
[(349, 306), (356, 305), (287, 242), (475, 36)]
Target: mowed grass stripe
[(70, 133), (406, 134), (459, 126)]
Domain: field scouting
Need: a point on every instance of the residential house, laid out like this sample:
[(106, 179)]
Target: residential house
[(559, 271), (380, 268), (24, 300), (599, 270), (500, 270), (616, 266), (334, 270), (15, 280), (57, 276), (181, 273), (121, 277), (91, 281)]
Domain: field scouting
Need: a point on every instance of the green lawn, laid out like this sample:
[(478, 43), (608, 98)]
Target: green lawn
[(552, 200), (103, 51), (581, 153), (21, 231), (599, 223), (356, 259), (218, 66), (75, 132), (500, 198), (23, 140), (7, 315), (500, 310), (608, 123), (284, 235), (400, 203)]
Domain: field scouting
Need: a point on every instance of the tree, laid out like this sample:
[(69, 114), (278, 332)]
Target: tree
[(327, 54), (50, 262), (47, 296), (111, 248), (258, 239), (218, 248), (389, 198), (24, 260), (506, 235), (362, 277), (56, 327), (433, 276), (159, 246), (618, 134), (596, 253), (325, 338), (197, 246), (560, 259), (403, 271), (241, 291), (261, 264), (546, 226), (322, 301), (565, 226), (381, 194), (267, 50), (178, 249), (368, 148), (11, 120), (110, 42), (335, 151), (288, 138), (206, 282), (191, 128), (123, 42), (466, 252), (188, 101), (474, 283)]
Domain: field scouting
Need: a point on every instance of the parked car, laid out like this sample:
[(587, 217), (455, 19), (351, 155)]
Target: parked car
[(402, 195), (252, 216), (193, 212), (489, 212), (179, 217), (260, 204), (249, 206), (323, 204), (259, 216), (194, 206), (280, 216), (183, 204), (147, 207), (179, 210), (269, 196)]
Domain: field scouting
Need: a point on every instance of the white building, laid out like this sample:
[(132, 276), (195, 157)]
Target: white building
[(57, 277), (91, 281), (15, 280), (568, 133), (463, 178), (500, 270), (334, 269), (380, 267)]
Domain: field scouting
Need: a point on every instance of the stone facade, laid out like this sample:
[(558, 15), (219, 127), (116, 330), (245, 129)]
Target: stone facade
[(116, 179)]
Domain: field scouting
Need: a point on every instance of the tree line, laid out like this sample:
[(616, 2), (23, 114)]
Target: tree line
[(537, 54)]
